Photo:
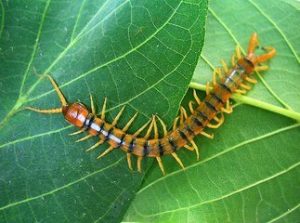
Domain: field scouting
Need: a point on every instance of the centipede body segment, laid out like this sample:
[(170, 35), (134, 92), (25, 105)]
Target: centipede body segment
[(208, 113)]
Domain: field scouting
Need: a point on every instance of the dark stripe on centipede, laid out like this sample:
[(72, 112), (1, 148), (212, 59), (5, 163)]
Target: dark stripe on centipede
[(225, 87), (173, 144), (217, 98), (121, 140), (101, 128), (160, 148), (202, 114), (212, 107), (183, 135), (108, 134), (146, 148), (131, 146), (188, 128), (197, 121)]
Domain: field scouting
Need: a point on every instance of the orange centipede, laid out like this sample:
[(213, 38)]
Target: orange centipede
[(225, 82)]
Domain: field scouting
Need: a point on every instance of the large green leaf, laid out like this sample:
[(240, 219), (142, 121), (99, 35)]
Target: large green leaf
[(250, 171), (141, 54)]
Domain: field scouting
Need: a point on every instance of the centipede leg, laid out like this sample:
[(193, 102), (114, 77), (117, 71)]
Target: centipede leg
[(238, 52), (160, 164), (227, 109), (220, 122), (183, 115), (195, 148), (84, 138), (239, 91), (191, 107), (95, 145), (163, 125), (207, 89), (77, 132), (118, 116), (261, 68), (251, 80), (150, 128), (126, 127), (210, 136), (175, 123), (111, 148), (129, 161), (178, 160), (103, 109), (233, 60), (196, 97), (141, 129), (139, 163), (92, 105), (246, 87), (225, 67)]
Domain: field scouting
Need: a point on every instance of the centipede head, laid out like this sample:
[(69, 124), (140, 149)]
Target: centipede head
[(75, 113), (253, 45)]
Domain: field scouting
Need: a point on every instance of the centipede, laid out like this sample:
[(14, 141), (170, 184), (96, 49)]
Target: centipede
[(208, 113)]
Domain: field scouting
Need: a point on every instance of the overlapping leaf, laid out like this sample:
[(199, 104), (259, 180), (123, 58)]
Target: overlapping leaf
[(137, 53)]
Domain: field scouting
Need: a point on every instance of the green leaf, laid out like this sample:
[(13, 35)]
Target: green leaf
[(141, 54), (250, 171)]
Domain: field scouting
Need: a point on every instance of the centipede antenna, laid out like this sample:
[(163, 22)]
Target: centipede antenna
[(92, 105), (103, 109), (126, 127), (139, 163), (95, 146), (118, 116), (210, 136), (129, 161), (111, 148), (163, 125), (77, 132), (196, 97), (45, 111), (160, 164), (84, 138), (177, 159), (141, 129), (58, 91)]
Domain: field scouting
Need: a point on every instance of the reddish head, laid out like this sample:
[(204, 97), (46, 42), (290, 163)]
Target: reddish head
[(75, 114)]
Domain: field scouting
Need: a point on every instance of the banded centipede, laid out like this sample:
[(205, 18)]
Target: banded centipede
[(216, 102)]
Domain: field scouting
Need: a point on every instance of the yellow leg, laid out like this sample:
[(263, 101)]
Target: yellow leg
[(163, 125), (196, 148), (95, 145), (118, 116), (150, 128), (196, 97), (251, 80), (261, 68), (239, 91), (129, 161), (175, 123), (92, 105), (155, 129), (238, 52), (77, 132), (210, 136), (220, 122), (161, 166), (246, 87), (177, 159), (191, 106), (183, 115), (233, 60), (139, 163), (207, 88), (103, 109), (84, 138), (105, 152), (227, 109), (214, 78), (225, 67), (126, 127), (141, 129)]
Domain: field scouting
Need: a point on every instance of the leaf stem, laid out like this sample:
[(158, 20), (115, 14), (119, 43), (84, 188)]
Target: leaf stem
[(255, 102)]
